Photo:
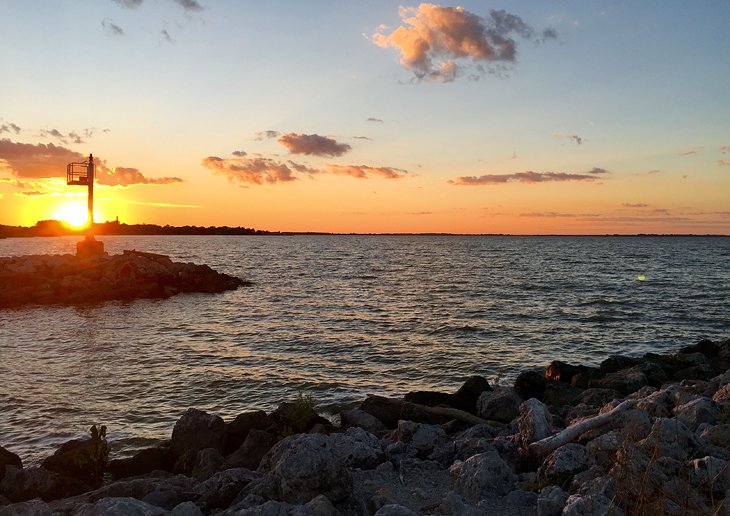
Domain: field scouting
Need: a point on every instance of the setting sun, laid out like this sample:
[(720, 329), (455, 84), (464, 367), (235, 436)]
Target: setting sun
[(73, 214)]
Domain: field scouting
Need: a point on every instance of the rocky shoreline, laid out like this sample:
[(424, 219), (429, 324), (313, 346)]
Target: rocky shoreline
[(647, 435), (73, 279)]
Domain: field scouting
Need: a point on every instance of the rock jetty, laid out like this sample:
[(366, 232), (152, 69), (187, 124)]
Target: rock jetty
[(72, 279), (647, 435)]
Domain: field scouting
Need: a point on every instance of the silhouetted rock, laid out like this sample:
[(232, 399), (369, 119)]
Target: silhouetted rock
[(501, 404), (530, 384), (237, 430), (196, 430), (360, 418), (8, 458), (69, 279), (293, 418), (81, 459), (143, 462), (249, 454), (20, 485)]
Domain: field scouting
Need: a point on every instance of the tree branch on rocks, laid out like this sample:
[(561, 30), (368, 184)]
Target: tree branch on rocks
[(570, 434)]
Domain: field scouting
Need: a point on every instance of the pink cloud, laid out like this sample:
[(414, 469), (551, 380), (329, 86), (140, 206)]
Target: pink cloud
[(520, 177), (364, 171), (313, 144), (255, 171)]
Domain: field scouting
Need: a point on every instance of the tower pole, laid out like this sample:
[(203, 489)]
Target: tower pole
[(90, 182)]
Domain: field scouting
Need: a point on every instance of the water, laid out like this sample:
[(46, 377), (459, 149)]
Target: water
[(340, 317)]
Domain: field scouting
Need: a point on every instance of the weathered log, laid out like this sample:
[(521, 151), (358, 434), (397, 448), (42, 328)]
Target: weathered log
[(390, 410), (570, 434)]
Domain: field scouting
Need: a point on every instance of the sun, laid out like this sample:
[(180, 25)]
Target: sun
[(73, 214)]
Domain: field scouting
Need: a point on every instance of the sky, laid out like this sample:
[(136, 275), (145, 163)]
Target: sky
[(522, 117)]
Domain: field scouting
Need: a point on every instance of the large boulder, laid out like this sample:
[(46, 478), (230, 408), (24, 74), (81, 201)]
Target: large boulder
[(110, 506), (534, 422), (220, 490), (81, 459), (196, 430), (303, 466), (530, 384), (550, 501), (501, 404), (8, 458), (624, 381), (696, 412), (357, 448), (669, 438), (143, 462), (252, 450), (237, 430), (560, 466), (207, 462), (20, 485), (360, 418), (484, 475), (422, 437), (294, 417)]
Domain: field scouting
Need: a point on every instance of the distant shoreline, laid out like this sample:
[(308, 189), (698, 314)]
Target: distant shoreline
[(54, 228)]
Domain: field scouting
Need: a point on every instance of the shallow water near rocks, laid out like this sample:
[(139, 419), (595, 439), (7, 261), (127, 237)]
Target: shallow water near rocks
[(341, 317)]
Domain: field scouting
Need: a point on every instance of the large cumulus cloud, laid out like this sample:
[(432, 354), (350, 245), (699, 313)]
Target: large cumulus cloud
[(437, 42)]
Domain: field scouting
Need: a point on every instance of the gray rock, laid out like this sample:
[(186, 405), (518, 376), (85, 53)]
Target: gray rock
[(502, 404), (357, 448), (660, 403), (696, 412), (398, 451), (395, 510), (360, 418), (207, 463), (423, 438), (598, 505), (564, 462), (484, 475), (321, 506), (597, 397), (710, 474), (182, 486), (669, 438), (625, 381), (303, 466), (221, 489), (186, 509), (524, 500), (20, 485), (722, 395), (550, 501), (238, 429), (254, 447), (118, 506), (602, 449), (274, 508), (454, 504), (197, 430), (534, 422), (143, 462), (8, 458), (633, 424), (30, 508)]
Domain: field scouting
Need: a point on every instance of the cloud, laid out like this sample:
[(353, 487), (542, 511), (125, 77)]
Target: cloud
[(112, 28), (636, 205), (520, 177), (362, 138), (240, 153), (555, 214), (34, 193), (255, 171), (163, 204), (129, 4), (364, 171), (577, 139), (189, 5), (723, 148), (436, 42), (598, 171), (313, 144), (41, 160), (126, 176), (376, 120), (6, 128), (260, 135), (691, 150), (723, 163), (166, 36)]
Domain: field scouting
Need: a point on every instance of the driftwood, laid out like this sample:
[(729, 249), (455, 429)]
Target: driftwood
[(547, 445), (450, 412), (390, 410)]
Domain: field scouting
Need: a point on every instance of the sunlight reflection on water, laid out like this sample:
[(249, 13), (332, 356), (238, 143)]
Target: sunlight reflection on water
[(341, 317)]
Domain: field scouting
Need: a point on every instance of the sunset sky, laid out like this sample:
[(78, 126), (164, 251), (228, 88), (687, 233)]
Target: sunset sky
[(370, 116)]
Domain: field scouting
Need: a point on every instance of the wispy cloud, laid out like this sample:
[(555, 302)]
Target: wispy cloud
[(313, 144), (162, 204), (598, 171), (112, 28), (240, 153), (6, 128), (256, 171), (691, 151), (129, 4), (635, 205), (364, 171), (261, 135), (376, 120), (189, 5), (556, 214), (436, 42), (724, 149), (521, 177), (576, 138), (362, 138), (128, 176), (166, 36)]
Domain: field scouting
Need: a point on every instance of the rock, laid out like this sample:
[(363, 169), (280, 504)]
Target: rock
[(624, 381), (722, 395), (616, 363), (20, 485), (186, 509), (249, 455), (111, 506), (559, 394), (303, 466), (453, 504), (559, 371), (143, 462), (634, 424), (654, 373), (360, 418), (395, 510), (321, 506), (196, 430), (470, 391), (710, 474), (524, 501), (530, 384), (534, 422), (386, 410), (175, 489), (237, 430), (718, 435), (705, 346), (597, 397), (501, 404), (8, 458), (602, 449), (357, 448), (696, 412), (220, 490), (294, 418), (484, 475), (599, 505), (207, 462), (550, 501), (423, 438), (81, 459), (660, 403), (669, 438), (31, 508), (564, 462)]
